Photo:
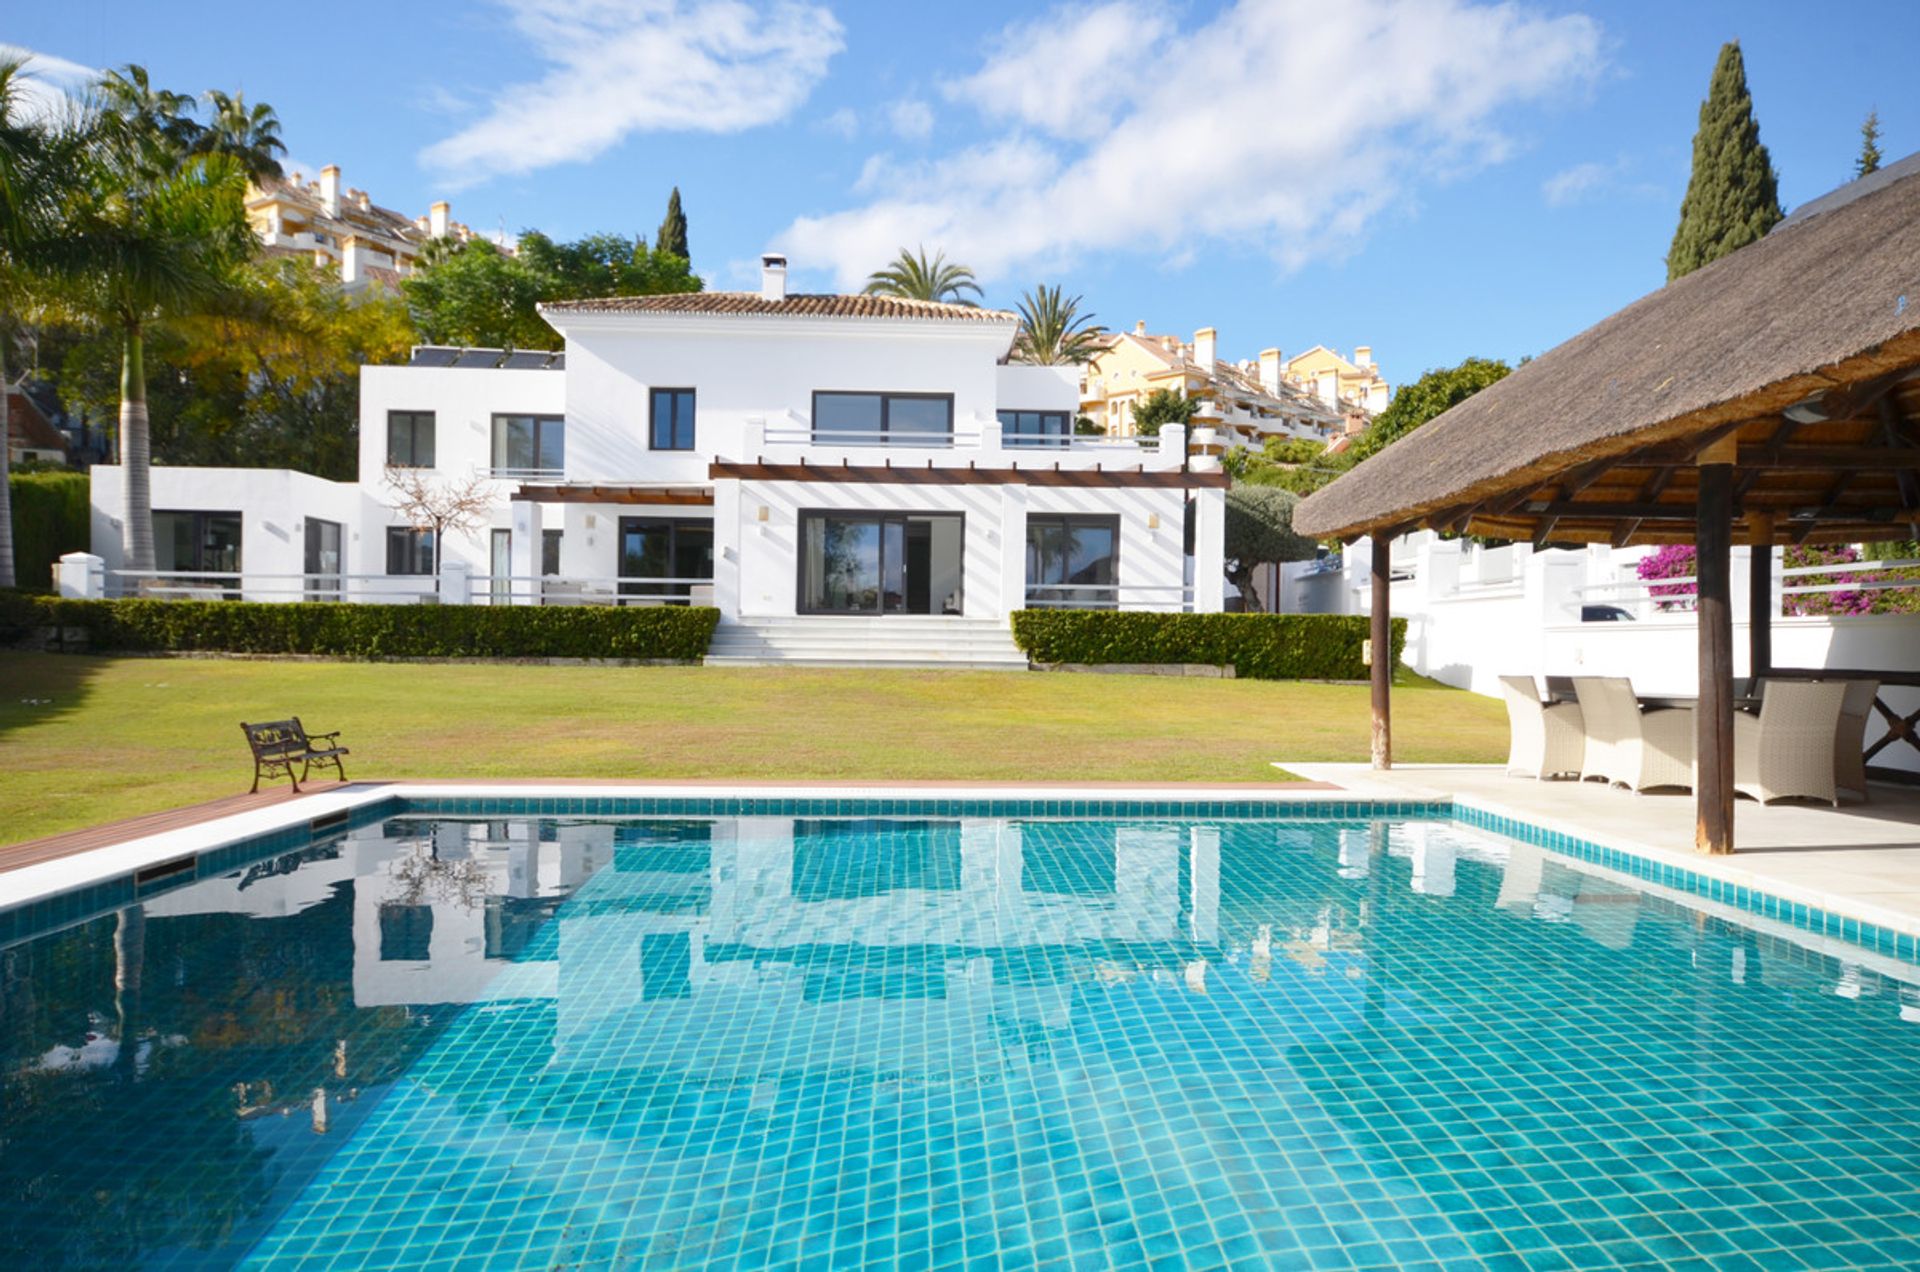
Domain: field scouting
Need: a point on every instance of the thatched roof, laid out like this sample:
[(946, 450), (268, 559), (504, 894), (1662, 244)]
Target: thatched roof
[(1594, 439)]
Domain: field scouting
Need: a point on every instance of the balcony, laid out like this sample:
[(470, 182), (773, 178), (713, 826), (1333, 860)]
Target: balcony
[(977, 443)]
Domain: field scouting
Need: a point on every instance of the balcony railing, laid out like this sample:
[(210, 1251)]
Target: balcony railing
[(1111, 596)]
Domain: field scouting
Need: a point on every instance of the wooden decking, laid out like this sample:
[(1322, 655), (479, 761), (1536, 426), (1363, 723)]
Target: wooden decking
[(68, 843)]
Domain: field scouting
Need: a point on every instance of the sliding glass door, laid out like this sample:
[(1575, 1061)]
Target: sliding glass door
[(881, 563), (1073, 562), (665, 548), (322, 560)]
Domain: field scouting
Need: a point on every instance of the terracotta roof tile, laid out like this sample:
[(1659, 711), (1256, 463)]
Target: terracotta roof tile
[(751, 304)]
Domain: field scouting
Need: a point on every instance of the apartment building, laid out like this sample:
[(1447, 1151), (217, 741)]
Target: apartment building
[(342, 229)]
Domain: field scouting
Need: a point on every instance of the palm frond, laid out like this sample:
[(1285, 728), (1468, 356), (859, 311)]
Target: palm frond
[(912, 276)]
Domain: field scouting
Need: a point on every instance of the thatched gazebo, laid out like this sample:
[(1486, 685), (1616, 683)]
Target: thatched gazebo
[(1770, 397)]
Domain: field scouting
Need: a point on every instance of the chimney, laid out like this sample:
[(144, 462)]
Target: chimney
[(1140, 328), (1363, 355), (437, 217), (1328, 387), (1203, 348), (1270, 371), (773, 277), (330, 189), (360, 197), (349, 259)]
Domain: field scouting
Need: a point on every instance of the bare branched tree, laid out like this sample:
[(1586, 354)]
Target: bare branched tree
[(441, 507)]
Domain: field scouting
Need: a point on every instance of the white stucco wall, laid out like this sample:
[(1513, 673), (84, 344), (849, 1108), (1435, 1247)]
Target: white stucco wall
[(463, 400)]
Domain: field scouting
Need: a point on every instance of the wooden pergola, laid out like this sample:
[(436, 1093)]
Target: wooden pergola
[(1770, 398)]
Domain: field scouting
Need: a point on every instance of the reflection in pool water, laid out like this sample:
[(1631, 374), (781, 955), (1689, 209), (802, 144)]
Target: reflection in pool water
[(769, 1040)]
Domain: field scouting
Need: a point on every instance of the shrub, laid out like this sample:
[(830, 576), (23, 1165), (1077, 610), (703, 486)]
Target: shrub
[(1676, 560), (370, 631), (1258, 646), (51, 517)]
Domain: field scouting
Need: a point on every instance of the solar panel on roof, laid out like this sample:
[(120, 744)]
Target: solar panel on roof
[(559, 362), (433, 356), (479, 358), (526, 360)]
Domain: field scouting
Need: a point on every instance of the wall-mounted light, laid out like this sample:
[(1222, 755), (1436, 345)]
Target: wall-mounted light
[(763, 514), (591, 519), (1153, 521)]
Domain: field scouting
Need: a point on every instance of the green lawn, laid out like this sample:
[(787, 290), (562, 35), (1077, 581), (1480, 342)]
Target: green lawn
[(87, 740)]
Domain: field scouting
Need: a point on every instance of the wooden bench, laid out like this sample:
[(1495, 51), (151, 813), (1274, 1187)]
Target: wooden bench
[(278, 745)]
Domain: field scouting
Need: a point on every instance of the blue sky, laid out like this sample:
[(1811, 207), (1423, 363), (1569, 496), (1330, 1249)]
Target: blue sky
[(1436, 178)]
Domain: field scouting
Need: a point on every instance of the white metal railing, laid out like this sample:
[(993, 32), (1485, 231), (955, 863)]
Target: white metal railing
[(216, 585), (610, 589), (1109, 596), (1632, 591), (868, 437)]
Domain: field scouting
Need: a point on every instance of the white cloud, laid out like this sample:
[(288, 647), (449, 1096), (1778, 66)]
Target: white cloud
[(49, 82), (620, 67), (1585, 181), (1064, 74), (911, 119), (843, 123), (1267, 124)]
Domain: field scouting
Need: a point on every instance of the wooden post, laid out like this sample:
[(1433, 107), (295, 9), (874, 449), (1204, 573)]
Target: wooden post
[(1760, 597), (1380, 634), (1713, 717)]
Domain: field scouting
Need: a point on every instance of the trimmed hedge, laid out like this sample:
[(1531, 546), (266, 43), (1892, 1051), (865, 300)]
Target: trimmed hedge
[(367, 631), (51, 517), (1258, 646)]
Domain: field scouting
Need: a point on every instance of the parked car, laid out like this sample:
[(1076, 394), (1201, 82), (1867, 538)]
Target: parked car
[(1605, 614)]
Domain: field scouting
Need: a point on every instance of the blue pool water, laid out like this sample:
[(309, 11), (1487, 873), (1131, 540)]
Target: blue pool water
[(576, 1042)]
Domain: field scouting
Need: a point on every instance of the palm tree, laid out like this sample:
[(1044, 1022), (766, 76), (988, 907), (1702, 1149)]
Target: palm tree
[(251, 134), (36, 172), (148, 246), (149, 128), (1053, 331), (912, 276)]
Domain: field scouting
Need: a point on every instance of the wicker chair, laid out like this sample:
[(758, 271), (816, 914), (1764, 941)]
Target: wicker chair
[(1787, 750), (1547, 741), (1637, 749), (1850, 742)]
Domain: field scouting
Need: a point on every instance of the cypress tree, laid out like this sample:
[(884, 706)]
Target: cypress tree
[(1869, 160), (1733, 197), (673, 229)]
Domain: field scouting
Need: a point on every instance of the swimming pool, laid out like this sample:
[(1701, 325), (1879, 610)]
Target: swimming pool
[(481, 1033)]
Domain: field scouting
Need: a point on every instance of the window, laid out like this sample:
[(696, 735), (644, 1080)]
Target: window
[(881, 563), (322, 563), (664, 548), (1035, 428), (409, 551), (673, 419), (529, 444), (883, 419), (410, 439), (550, 551), (1073, 562), (197, 543)]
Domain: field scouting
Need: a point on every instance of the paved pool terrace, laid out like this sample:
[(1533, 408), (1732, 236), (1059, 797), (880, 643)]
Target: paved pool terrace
[(1851, 874)]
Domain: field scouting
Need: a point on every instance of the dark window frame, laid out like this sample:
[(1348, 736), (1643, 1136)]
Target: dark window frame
[(540, 423), (1062, 438), (679, 592), (413, 419), (421, 540), (887, 398), (673, 424), (1065, 520), (550, 541), (881, 515)]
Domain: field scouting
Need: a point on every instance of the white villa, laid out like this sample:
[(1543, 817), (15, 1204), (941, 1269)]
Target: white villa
[(847, 478)]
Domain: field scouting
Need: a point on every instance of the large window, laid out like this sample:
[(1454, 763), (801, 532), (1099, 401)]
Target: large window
[(883, 419), (1035, 428), (409, 551), (881, 563), (1073, 562), (410, 439), (322, 562), (534, 445), (673, 419), (195, 542), (664, 548), (550, 551)]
